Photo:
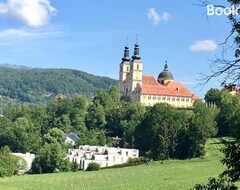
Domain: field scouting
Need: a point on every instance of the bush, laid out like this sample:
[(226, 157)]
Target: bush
[(21, 164), (51, 158), (138, 161), (65, 166), (8, 162), (131, 162), (93, 167), (75, 167)]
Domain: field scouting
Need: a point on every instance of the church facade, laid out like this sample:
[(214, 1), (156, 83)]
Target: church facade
[(147, 90)]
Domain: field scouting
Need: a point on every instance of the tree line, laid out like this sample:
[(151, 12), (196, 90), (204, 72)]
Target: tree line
[(159, 132)]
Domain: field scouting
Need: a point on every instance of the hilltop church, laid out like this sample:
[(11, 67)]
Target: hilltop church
[(147, 90)]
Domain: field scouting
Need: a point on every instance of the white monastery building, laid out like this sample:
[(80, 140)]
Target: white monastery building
[(147, 90)]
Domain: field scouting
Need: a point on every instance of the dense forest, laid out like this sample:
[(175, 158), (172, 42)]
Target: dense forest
[(23, 84), (159, 132)]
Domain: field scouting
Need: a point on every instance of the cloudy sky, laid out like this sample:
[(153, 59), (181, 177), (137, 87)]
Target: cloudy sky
[(90, 35)]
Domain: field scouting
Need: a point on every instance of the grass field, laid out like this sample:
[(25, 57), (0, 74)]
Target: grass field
[(167, 175)]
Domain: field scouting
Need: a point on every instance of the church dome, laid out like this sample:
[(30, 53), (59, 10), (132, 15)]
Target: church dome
[(165, 75)]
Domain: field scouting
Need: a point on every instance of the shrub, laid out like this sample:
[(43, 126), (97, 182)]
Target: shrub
[(21, 164), (8, 162), (75, 167), (65, 166), (131, 162), (93, 167), (137, 161), (51, 158)]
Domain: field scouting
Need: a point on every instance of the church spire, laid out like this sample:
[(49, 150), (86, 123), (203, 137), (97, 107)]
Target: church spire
[(126, 54), (136, 55), (166, 66)]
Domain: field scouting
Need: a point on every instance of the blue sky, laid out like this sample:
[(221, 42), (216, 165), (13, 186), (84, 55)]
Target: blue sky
[(90, 35)]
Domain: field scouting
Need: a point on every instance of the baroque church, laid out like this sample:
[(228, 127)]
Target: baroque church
[(147, 90)]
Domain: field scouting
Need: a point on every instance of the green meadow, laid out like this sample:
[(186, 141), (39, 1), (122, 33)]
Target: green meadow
[(166, 175)]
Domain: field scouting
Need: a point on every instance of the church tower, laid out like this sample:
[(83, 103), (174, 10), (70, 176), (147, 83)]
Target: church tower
[(135, 75), (124, 72)]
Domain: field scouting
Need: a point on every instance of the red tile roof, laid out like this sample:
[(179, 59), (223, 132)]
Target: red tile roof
[(195, 97), (172, 88), (232, 89)]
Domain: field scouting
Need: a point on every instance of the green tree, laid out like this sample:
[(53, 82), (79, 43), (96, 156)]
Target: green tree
[(8, 162), (21, 136), (108, 99), (213, 96), (229, 106), (54, 135), (126, 98), (158, 131), (62, 122), (202, 125), (94, 137), (132, 117), (205, 119), (51, 158), (95, 118)]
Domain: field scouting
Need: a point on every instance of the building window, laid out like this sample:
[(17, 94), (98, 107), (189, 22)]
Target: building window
[(163, 98), (127, 68), (159, 98), (182, 99), (154, 97), (137, 66), (178, 99), (149, 97), (168, 98), (173, 99), (127, 153)]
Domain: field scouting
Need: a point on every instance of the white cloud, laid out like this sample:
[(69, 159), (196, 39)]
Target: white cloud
[(203, 46), (12, 37), (165, 16), (33, 13), (156, 18)]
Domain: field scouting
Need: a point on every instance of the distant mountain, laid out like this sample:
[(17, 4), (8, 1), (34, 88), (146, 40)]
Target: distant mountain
[(6, 65), (41, 85)]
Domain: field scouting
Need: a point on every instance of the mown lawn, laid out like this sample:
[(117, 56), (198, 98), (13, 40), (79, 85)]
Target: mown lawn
[(167, 175)]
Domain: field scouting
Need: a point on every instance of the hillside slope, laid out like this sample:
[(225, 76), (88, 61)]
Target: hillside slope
[(41, 85), (160, 175)]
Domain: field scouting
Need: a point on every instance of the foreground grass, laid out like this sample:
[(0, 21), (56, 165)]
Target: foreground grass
[(167, 175)]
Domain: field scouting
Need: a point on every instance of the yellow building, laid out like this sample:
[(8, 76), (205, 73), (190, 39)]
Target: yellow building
[(146, 89)]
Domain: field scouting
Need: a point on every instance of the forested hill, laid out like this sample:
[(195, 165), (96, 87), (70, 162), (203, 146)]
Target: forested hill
[(41, 85)]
